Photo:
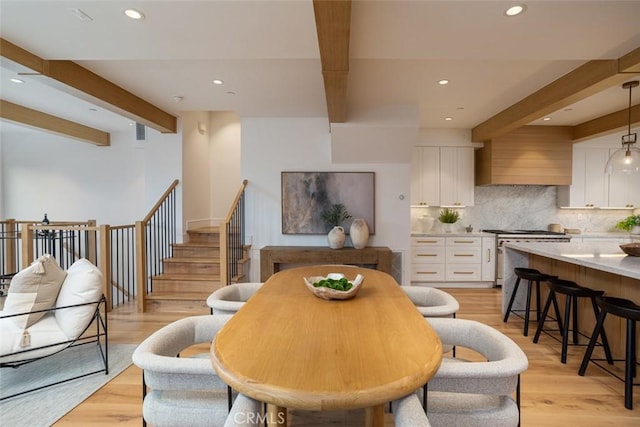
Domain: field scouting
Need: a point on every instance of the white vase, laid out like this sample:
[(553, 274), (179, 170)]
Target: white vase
[(359, 232), (635, 229), (448, 227), (336, 237)]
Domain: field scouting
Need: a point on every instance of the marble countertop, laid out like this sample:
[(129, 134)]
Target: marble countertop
[(455, 234), (604, 256)]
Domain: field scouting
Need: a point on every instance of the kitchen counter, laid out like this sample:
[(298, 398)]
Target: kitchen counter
[(456, 234), (603, 256), (596, 265)]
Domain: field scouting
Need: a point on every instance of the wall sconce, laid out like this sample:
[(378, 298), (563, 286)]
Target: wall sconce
[(202, 129), (627, 158)]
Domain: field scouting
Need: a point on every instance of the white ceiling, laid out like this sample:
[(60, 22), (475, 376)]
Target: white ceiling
[(267, 54)]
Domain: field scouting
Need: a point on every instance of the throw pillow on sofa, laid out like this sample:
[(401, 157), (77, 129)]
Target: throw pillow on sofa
[(34, 288), (83, 284)]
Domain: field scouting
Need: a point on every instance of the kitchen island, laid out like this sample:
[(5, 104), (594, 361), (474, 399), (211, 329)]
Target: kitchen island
[(602, 266)]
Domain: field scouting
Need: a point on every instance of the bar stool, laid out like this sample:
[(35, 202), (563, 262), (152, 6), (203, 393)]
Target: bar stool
[(531, 275), (572, 291), (627, 310)]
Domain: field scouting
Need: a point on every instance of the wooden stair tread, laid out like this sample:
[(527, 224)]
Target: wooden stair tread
[(179, 296), (196, 245), (212, 260), (205, 230), (193, 277)]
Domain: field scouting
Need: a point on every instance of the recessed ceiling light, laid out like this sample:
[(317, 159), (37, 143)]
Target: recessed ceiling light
[(568, 109), (546, 119), (217, 82), (178, 98), (16, 80), (515, 10), (93, 109), (448, 118), (133, 13), (459, 108), (443, 82)]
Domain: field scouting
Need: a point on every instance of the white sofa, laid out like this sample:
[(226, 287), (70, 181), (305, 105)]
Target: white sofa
[(48, 309)]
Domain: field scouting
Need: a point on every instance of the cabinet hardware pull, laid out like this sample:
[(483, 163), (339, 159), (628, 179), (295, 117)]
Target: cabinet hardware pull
[(463, 241), (427, 254), (463, 272), (462, 254), (427, 272), (427, 241), (488, 256)]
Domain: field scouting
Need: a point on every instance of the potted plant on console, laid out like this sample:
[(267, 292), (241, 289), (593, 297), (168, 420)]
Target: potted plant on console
[(333, 217), (448, 217), (630, 224)]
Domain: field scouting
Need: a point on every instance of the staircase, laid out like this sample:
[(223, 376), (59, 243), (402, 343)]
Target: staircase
[(191, 274)]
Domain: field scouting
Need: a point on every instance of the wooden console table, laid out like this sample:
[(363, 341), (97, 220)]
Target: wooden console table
[(272, 256)]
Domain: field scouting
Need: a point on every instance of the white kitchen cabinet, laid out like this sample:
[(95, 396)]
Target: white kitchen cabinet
[(592, 188), (442, 176), (425, 176), (427, 259), (450, 259), (488, 259), (456, 176), (589, 184)]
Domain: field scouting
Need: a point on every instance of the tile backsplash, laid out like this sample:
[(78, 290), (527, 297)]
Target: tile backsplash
[(520, 207)]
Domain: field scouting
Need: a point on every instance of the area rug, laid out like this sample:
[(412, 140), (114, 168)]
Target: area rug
[(46, 406)]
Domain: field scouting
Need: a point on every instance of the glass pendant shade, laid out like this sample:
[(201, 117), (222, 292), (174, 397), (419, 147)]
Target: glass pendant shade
[(624, 160)]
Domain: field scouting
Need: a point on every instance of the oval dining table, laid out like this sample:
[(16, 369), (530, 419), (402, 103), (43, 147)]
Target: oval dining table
[(290, 349)]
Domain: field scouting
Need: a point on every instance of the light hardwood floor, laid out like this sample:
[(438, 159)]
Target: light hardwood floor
[(553, 394)]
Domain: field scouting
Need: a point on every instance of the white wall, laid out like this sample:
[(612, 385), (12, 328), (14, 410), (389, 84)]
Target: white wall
[(224, 164), (271, 146), (77, 181)]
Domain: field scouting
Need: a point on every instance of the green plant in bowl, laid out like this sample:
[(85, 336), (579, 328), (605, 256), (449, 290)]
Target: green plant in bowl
[(629, 222), (449, 216)]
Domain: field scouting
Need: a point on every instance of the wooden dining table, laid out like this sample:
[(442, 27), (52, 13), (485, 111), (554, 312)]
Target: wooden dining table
[(290, 349)]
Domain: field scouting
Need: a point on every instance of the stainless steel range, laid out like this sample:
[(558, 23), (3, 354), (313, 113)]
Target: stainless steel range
[(537, 236)]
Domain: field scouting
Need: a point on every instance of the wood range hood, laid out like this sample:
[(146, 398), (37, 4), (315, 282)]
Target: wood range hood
[(530, 155)]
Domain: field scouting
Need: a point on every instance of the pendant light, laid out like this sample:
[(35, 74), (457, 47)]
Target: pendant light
[(627, 158)]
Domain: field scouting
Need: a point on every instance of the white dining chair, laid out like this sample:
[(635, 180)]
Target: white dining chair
[(432, 302), (408, 412), (229, 299), (180, 391), (475, 392)]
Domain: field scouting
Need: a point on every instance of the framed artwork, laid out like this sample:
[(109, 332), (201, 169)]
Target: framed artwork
[(306, 195)]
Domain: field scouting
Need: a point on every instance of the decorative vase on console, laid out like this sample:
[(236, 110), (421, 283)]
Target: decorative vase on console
[(334, 216), (336, 237), (359, 232)]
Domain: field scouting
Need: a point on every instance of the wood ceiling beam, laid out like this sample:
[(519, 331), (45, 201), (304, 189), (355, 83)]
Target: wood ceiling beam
[(333, 25), (33, 118), (584, 81), (606, 124), (78, 81)]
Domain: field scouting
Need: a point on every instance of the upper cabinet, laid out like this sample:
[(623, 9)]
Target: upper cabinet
[(456, 176), (592, 188), (442, 176), (425, 176)]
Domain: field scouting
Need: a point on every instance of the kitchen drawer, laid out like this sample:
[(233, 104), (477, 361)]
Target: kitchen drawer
[(427, 272), (429, 255), (464, 255), (463, 272), (464, 241), (427, 241)]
